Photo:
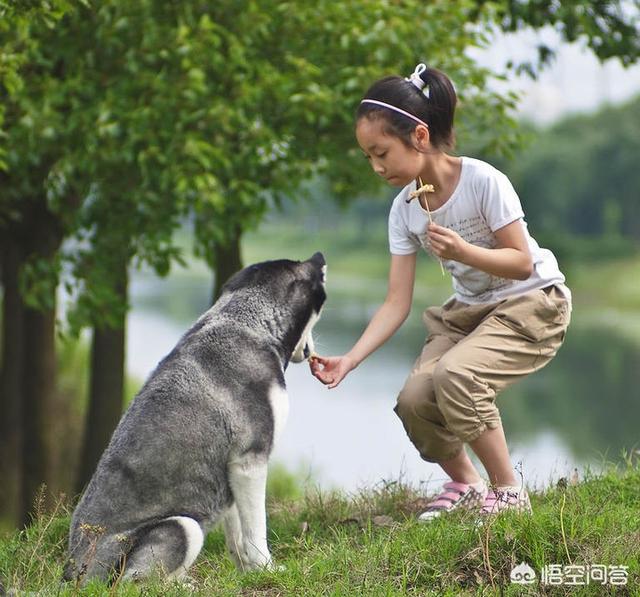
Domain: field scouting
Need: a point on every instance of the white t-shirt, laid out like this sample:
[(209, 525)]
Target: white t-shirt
[(483, 201)]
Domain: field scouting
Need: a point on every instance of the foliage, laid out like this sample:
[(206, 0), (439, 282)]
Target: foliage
[(131, 116), (16, 43), (287, 88), (608, 29), (580, 177)]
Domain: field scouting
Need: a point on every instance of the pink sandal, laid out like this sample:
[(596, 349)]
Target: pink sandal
[(455, 495), (506, 498)]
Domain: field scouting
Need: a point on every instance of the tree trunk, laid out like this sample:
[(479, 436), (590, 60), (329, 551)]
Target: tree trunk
[(227, 260), (106, 391), (39, 409), (40, 412), (11, 380)]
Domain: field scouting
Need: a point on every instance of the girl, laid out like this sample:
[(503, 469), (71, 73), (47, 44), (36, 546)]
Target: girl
[(510, 309)]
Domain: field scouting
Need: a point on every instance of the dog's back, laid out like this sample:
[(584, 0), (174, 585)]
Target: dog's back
[(208, 407)]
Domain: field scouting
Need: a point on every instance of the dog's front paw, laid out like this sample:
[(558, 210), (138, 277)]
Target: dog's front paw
[(273, 567), (264, 565)]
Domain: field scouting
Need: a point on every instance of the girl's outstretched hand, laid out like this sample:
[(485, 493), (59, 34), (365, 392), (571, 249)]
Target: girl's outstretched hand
[(331, 370)]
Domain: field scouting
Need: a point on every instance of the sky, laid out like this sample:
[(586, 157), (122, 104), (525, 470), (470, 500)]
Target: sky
[(575, 82)]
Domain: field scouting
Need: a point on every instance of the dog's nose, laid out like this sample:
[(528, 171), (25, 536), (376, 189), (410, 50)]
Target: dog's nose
[(306, 352)]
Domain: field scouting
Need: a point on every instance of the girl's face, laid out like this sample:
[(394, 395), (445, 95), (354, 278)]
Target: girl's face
[(389, 157)]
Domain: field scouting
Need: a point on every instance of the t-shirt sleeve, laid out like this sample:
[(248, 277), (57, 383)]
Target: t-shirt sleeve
[(401, 240), (500, 202)]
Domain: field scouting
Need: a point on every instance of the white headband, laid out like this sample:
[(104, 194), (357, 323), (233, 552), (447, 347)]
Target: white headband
[(399, 110)]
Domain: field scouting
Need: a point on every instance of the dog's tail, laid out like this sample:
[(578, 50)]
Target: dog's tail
[(97, 557), (171, 544)]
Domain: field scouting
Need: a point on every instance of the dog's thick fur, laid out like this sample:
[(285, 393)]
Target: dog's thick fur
[(193, 447)]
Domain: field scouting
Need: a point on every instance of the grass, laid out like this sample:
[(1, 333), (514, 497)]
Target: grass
[(614, 282), (335, 544), (370, 544)]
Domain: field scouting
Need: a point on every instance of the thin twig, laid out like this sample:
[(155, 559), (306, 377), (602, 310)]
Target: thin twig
[(484, 542), (564, 537), (422, 192)]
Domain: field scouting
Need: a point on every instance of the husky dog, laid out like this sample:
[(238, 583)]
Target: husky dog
[(192, 449)]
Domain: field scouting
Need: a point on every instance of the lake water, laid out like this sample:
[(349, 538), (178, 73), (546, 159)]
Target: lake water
[(579, 411)]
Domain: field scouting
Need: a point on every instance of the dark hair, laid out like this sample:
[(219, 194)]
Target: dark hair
[(437, 110)]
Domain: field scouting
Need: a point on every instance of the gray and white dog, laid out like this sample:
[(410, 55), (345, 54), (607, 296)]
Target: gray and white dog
[(192, 449)]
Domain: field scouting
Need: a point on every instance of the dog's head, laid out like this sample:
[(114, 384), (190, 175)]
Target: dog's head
[(317, 272), (290, 296)]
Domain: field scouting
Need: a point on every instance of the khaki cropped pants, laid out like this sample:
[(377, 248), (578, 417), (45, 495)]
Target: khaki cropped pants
[(473, 352)]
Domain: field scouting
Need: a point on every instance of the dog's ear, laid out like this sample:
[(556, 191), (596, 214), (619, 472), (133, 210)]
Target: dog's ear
[(319, 265), (318, 259)]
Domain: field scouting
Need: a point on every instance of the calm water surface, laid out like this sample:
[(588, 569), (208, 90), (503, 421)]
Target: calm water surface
[(579, 411)]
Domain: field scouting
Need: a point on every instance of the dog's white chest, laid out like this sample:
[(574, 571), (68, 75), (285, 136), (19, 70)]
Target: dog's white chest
[(279, 400)]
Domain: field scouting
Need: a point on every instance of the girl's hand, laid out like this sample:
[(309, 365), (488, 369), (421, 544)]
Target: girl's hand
[(331, 370), (446, 243)]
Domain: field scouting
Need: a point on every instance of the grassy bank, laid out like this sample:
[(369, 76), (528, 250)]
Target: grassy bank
[(359, 261), (358, 266), (371, 544)]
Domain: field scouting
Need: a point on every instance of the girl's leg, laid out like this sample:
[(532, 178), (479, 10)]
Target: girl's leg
[(420, 415), (507, 492), (426, 427), (491, 448), (519, 337), (461, 469)]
